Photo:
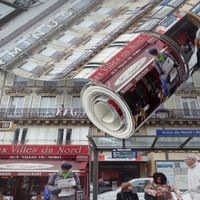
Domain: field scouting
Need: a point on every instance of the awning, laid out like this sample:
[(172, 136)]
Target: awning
[(19, 167), (186, 142)]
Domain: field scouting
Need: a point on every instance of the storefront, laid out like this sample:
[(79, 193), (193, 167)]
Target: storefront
[(24, 169), (121, 165)]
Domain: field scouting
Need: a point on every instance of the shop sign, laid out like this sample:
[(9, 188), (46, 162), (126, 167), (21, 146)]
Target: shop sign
[(169, 132), (7, 126), (42, 150), (25, 173)]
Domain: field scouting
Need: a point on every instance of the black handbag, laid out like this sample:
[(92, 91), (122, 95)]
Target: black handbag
[(149, 197)]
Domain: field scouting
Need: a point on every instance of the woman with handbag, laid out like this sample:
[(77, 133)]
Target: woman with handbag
[(126, 192), (160, 189)]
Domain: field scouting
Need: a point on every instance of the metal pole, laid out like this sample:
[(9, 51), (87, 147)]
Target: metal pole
[(95, 175)]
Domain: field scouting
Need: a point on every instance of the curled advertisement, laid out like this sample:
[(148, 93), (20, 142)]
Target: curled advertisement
[(131, 85)]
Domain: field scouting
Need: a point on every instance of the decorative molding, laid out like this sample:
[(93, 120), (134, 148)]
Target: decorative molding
[(49, 90), (18, 90)]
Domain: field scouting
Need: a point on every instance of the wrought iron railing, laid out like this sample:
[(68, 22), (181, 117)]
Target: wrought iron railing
[(79, 113), (41, 113), (177, 114)]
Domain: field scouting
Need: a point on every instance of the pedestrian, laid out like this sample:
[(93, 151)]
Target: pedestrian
[(160, 189), (126, 192), (193, 176), (65, 174), (197, 44)]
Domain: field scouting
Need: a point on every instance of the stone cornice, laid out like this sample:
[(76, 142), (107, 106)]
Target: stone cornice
[(18, 91), (49, 90)]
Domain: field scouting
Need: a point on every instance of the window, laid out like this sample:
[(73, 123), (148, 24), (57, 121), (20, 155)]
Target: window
[(60, 136), (76, 102), (24, 133), (16, 136), (20, 81), (48, 102), (16, 105), (47, 105), (68, 136), (189, 105), (50, 83)]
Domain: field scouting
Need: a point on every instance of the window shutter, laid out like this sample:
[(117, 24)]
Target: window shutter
[(59, 101), (39, 83), (61, 83), (36, 101), (27, 102), (177, 102), (198, 102), (68, 101), (31, 82), (196, 79), (5, 101)]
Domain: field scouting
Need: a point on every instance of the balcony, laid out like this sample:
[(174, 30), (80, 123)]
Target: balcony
[(42, 113), (192, 114)]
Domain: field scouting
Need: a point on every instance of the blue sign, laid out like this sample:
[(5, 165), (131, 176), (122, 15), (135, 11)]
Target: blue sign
[(124, 153), (171, 132)]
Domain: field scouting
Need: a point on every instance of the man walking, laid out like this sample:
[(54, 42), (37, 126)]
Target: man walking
[(193, 176)]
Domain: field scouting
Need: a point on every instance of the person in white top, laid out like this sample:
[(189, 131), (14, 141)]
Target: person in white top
[(193, 176)]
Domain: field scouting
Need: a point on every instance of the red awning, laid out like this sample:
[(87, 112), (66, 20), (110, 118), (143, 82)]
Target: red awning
[(18, 167)]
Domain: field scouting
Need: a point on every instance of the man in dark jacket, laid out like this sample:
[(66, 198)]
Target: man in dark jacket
[(53, 183)]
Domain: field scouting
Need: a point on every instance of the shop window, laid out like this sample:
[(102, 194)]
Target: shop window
[(24, 134), (60, 136), (16, 136), (68, 136)]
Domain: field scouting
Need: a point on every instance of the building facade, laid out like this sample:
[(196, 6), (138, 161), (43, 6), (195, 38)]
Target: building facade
[(51, 126)]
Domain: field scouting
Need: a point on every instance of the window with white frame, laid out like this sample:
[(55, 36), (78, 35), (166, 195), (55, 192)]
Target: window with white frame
[(16, 105), (48, 102), (190, 105), (76, 102), (47, 105), (64, 136)]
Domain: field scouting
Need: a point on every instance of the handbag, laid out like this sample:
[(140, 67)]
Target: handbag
[(149, 197)]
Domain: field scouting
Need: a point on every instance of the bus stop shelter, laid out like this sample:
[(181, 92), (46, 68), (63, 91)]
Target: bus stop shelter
[(189, 142)]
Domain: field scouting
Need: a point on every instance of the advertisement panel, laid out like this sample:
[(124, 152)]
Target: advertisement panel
[(175, 171)]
